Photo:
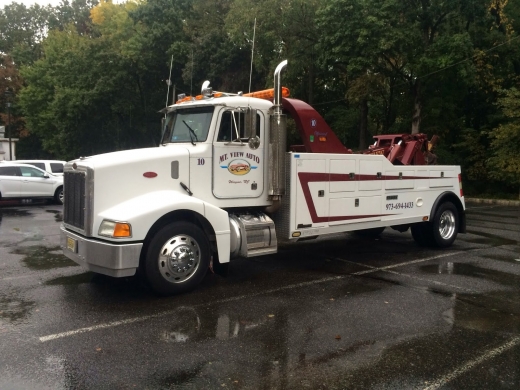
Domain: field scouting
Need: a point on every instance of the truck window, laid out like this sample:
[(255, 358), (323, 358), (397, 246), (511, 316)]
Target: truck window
[(189, 125), (232, 126)]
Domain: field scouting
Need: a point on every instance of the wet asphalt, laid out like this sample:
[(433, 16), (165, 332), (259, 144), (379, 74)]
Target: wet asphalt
[(342, 313)]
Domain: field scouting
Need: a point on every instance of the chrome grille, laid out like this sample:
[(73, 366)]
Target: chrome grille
[(74, 201)]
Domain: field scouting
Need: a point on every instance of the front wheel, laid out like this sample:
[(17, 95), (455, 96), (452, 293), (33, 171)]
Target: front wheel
[(177, 259)]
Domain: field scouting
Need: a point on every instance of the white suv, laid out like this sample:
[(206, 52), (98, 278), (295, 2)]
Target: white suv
[(21, 181), (52, 166)]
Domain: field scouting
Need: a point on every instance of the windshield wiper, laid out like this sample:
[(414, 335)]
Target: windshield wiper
[(191, 132)]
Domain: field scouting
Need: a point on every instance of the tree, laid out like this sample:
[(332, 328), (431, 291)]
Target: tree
[(505, 140)]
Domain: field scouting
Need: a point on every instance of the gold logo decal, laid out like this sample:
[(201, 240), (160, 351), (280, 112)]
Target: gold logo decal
[(239, 167)]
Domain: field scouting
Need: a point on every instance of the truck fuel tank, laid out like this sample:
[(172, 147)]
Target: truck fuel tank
[(252, 234)]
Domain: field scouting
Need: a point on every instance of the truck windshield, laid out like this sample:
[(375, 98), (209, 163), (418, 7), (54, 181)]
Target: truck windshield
[(188, 125)]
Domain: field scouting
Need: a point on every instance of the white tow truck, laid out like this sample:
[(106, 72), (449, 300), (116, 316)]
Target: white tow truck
[(223, 184)]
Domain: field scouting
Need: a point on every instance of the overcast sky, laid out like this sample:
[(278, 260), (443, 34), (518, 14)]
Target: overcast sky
[(28, 3)]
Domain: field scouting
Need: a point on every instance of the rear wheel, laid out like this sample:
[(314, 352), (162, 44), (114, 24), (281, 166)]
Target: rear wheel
[(177, 259), (441, 231), (58, 195), (445, 225)]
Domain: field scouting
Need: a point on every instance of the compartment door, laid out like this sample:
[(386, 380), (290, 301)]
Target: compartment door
[(312, 193)]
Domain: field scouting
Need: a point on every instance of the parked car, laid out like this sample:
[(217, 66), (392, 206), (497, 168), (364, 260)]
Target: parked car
[(52, 166), (21, 181)]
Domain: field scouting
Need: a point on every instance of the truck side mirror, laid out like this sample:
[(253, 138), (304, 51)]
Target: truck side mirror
[(250, 130)]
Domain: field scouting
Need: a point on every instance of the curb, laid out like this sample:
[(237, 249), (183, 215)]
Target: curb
[(501, 202)]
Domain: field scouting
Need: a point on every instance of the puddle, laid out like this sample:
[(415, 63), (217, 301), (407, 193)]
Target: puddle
[(13, 213), (181, 378), (58, 215), (14, 309), (40, 257), (71, 280), (496, 312), (465, 269), (489, 239)]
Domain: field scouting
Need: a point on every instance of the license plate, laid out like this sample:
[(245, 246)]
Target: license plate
[(72, 244)]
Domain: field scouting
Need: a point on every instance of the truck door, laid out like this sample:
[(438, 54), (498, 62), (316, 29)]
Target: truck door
[(238, 170)]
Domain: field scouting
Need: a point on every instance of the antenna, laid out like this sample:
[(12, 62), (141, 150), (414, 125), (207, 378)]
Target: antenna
[(252, 54), (191, 81), (169, 82)]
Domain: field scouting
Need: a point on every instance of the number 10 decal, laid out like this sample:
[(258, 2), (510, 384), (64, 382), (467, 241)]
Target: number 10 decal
[(200, 161)]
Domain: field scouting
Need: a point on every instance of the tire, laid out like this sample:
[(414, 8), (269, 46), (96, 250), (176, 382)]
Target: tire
[(177, 258), (445, 225), (441, 231), (58, 195), (370, 233)]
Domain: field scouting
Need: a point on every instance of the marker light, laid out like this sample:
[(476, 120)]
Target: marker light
[(460, 186), (322, 139), (115, 229)]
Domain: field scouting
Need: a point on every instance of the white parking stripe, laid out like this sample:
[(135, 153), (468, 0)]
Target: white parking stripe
[(17, 277), (407, 263), (237, 298), (431, 281), (469, 365), (165, 313)]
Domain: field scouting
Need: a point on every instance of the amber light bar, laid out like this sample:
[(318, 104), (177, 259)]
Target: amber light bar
[(268, 93)]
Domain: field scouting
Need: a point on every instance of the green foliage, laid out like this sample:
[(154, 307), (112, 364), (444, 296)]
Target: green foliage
[(94, 73), (505, 140)]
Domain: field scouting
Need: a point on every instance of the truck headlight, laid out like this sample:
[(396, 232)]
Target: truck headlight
[(115, 229)]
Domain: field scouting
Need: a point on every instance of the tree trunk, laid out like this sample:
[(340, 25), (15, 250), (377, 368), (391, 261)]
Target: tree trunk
[(417, 106), (363, 124)]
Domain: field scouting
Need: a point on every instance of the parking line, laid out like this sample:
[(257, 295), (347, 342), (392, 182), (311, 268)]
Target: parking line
[(168, 312), (407, 263), (431, 281), (237, 298), (17, 277), (469, 365)]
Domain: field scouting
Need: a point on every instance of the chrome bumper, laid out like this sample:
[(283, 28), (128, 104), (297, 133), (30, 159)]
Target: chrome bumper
[(101, 257)]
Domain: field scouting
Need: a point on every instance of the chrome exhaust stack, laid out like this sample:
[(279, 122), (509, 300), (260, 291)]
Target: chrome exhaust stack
[(277, 140)]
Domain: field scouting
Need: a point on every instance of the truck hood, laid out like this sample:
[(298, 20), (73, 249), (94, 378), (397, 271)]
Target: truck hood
[(120, 176), (126, 157)]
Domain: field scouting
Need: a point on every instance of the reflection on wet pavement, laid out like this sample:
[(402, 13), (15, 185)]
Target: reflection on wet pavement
[(14, 309), (71, 280), (39, 257), (467, 269), (58, 215)]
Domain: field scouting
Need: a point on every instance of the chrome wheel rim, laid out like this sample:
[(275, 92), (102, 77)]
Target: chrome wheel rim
[(179, 258), (447, 224), (60, 196)]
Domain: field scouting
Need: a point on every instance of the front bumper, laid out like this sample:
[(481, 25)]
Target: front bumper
[(102, 257)]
